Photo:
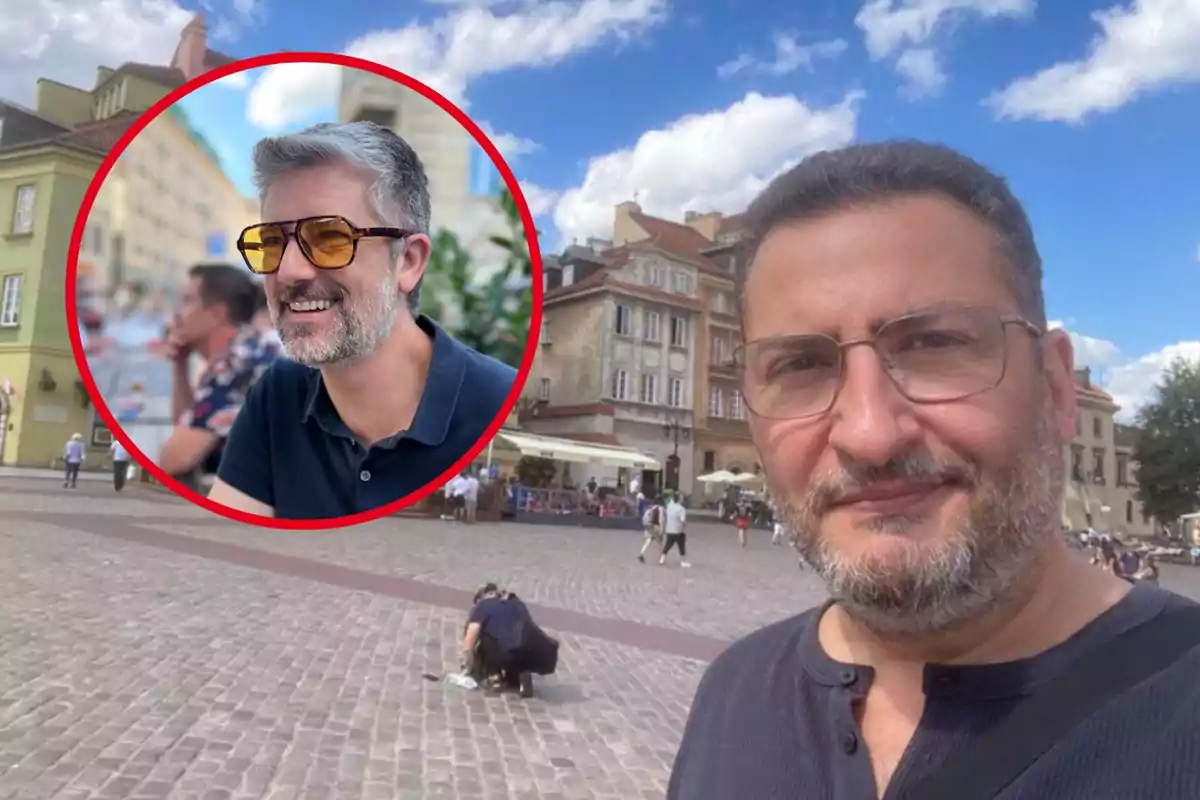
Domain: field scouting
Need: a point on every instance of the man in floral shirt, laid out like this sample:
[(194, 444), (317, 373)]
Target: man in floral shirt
[(213, 321)]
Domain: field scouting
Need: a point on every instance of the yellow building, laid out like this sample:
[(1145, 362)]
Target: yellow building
[(48, 157), (44, 174)]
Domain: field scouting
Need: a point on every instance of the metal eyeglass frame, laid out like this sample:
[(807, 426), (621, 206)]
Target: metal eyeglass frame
[(1004, 319)]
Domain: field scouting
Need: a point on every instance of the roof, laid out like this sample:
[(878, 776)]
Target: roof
[(164, 76), (673, 237), (104, 134), (214, 59)]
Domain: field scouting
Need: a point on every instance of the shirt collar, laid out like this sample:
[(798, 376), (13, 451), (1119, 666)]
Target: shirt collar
[(443, 385)]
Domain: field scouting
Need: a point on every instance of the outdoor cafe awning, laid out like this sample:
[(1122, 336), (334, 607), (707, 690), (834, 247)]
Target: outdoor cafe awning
[(529, 444)]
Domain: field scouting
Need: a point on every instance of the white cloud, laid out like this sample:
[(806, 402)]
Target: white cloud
[(909, 30), (237, 81), (466, 43), (66, 40), (540, 200), (715, 161), (1131, 381), (922, 72), (789, 55), (510, 145), (1142, 46)]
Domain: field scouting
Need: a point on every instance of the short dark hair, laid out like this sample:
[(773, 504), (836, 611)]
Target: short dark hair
[(833, 180), (229, 286)]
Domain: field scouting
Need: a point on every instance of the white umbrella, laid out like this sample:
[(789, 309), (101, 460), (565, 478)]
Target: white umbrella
[(720, 476)]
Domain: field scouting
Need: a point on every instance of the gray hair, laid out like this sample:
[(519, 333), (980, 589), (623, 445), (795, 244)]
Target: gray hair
[(861, 174), (400, 193)]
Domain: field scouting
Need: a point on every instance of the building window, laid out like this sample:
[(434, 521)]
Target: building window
[(675, 393), (710, 461), (1122, 469), (678, 331), (721, 303), (1079, 424), (738, 407), (719, 352), (10, 301), (654, 275), (620, 384), (651, 332), (624, 320), (544, 389), (1129, 512), (1077, 463), (22, 221), (1098, 465), (1098, 427), (716, 402), (681, 283), (649, 388)]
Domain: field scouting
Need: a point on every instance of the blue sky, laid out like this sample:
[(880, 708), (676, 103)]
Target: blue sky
[(1091, 109)]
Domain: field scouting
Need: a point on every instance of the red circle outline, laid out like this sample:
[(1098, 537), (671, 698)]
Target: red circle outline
[(175, 96)]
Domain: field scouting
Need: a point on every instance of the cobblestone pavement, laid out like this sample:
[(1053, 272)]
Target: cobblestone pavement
[(150, 650)]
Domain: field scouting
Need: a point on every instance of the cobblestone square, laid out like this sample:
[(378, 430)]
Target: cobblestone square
[(150, 650)]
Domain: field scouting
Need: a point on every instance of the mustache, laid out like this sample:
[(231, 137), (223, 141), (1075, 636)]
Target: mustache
[(834, 488), (308, 291)]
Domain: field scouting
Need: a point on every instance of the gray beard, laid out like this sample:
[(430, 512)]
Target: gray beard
[(935, 587), (359, 328)]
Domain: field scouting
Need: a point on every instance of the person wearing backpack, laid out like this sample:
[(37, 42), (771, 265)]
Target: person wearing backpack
[(652, 525)]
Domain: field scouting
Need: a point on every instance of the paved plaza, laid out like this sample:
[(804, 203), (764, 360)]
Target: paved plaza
[(151, 650)]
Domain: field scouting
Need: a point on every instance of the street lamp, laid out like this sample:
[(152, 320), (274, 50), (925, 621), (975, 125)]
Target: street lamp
[(674, 431)]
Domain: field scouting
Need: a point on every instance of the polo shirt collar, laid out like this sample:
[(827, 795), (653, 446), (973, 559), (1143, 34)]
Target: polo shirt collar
[(443, 385)]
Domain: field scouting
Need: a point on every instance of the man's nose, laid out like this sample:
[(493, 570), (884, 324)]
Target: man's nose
[(294, 267), (872, 421)]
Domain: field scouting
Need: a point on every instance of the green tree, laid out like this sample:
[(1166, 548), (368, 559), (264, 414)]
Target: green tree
[(1167, 450), (488, 316)]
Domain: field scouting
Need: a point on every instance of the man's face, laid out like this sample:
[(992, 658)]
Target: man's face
[(366, 296), (193, 320), (917, 515)]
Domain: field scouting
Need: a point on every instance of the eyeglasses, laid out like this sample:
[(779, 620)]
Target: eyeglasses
[(931, 357), (327, 242)]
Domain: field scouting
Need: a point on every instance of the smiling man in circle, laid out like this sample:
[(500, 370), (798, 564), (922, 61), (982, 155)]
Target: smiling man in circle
[(374, 400), (911, 410)]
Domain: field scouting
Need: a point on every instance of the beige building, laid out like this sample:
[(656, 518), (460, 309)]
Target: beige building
[(1101, 474), (167, 203), (462, 185), (616, 361)]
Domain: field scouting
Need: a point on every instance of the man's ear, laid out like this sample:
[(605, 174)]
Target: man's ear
[(1058, 366), (414, 257)]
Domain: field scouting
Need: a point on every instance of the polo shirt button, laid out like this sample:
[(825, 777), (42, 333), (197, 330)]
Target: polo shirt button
[(366, 476), (849, 744), (848, 677)]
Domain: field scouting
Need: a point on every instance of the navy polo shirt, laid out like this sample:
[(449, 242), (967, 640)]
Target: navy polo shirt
[(289, 448), (774, 719)]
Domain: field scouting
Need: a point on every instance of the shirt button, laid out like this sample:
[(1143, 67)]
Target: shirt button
[(848, 677), (849, 744), (366, 476)]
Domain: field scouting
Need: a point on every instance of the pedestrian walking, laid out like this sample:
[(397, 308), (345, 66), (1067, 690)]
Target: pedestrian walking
[(74, 456), (120, 465), (652, 526), (675, 527)]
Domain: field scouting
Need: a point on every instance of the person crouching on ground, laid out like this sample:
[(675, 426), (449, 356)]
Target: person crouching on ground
[(502, 646)]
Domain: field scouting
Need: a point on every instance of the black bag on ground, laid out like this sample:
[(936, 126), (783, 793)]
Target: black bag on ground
[(538, 651)]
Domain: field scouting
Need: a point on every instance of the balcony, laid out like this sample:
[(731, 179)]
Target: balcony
[(723, 369), (731, 428)]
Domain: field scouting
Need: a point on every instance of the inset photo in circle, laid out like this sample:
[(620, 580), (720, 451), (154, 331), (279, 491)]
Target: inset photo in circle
[(309, 324)]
